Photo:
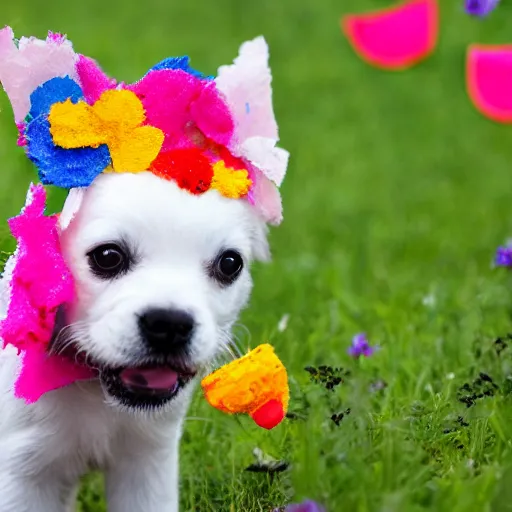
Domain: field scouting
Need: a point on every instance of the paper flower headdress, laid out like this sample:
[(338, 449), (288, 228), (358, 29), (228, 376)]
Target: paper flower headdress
[(201, 132), (75, 123)]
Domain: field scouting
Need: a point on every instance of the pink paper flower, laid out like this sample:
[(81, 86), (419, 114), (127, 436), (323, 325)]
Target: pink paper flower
[(40, 280), (30, 64), (176, 101)]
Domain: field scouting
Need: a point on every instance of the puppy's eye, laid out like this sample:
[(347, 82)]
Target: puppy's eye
[(227, 267), (108, 260)]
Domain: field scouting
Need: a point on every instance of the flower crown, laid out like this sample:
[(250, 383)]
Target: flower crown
[(76, 123), (201, 132)]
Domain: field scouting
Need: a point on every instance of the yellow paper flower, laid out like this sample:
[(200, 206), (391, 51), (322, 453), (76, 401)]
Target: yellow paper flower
[(115, 120), (230, 182)]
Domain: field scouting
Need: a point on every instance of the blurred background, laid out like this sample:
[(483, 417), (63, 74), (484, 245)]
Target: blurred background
[(396, 197)]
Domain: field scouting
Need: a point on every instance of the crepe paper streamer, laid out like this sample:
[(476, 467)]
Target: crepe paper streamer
[(480, 8), (29, 64), (189, 168), (489, 80), (116, 120), (174, 99), (395, 38), (230, 182), (256, 384)]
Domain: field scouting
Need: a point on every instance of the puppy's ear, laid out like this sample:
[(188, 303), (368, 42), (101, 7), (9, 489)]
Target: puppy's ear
[(259, 241), (71, 207)]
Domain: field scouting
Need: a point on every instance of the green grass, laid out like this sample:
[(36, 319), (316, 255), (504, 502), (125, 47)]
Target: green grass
[(397, 191)]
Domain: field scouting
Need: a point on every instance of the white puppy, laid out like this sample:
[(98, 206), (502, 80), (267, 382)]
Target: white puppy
[(161, 276)]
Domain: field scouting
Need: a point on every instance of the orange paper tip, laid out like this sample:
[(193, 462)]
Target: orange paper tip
[(256, 384)]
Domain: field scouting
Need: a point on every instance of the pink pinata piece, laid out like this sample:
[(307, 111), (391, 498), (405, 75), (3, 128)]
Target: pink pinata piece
[(489, 80), (40, 280), (93, 80), (41, 373), (33, 62), (397, 37), (174, 100)]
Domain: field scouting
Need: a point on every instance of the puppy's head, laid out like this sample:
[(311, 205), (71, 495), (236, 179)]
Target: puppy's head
[(161, 276)]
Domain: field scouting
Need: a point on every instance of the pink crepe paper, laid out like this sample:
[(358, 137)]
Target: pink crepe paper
[(394, 38), (41, 373), (92, 79), (174, 100), (263, 153), (39, 282), (246, 84), (489, 80), (34, 62), (266, 198)]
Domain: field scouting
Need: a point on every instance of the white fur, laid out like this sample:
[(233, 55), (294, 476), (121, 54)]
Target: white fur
[(47, 446)]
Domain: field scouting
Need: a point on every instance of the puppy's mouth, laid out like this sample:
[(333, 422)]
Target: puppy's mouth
[(145, 387)]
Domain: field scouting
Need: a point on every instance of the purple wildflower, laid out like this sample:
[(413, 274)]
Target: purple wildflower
[(480, 7), (361, 346), (305, 506), (503, 257)]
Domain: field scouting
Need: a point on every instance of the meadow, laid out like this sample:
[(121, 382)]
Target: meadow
[(397, 195)]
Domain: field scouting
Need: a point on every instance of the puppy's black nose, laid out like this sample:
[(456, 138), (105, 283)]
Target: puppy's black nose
[(166, 330)]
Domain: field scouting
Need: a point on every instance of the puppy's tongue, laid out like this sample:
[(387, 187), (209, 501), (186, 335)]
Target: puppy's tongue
[(153, 378)]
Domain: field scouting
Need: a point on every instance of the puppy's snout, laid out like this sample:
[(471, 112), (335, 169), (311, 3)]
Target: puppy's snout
[(166, 330)]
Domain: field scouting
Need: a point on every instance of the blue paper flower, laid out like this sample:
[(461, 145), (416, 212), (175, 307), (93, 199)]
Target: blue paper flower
[(66, 168), (178, 63), (53, 91)]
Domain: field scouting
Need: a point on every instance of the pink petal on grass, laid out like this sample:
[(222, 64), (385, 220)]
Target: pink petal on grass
[(489, 80), (395, 38)]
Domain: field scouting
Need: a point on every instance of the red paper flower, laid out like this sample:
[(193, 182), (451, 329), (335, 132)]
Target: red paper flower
[(190, 168)]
